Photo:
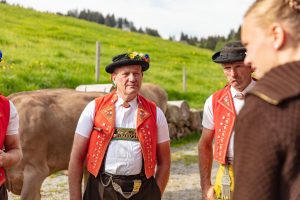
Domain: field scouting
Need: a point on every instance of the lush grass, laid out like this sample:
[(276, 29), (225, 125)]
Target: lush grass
[(48, 51), (192, 138)]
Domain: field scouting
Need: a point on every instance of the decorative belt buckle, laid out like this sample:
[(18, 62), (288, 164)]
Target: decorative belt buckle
[(136, 185)]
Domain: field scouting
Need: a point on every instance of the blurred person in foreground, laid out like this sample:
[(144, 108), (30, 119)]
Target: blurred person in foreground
[(10, 148), (124, 138), (267, 139), (220, 111)]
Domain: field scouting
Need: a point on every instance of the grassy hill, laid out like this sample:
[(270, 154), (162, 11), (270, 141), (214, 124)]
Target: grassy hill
[(43, 50)]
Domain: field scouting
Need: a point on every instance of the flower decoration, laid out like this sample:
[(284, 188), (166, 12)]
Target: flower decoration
[(133, 55), (139, 56)]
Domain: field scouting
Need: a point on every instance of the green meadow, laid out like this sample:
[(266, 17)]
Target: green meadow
[(44, 50)]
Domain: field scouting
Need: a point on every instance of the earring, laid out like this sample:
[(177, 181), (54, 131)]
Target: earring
[(276, 46)]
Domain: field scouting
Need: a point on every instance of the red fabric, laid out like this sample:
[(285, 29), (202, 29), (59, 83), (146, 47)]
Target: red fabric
[(4, 119), (105, 122), (224, 117)]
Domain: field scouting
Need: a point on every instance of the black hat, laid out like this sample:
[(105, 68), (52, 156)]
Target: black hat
[(231, 52), (126, 59)]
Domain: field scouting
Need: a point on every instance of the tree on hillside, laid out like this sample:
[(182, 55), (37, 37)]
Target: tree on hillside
[(132, 27), (184, 37), (83, 15), (234, 35), (120, 23), (141, 30), (126, 24), (73, 13), (209, 43), (215, 43), (231, 35), (101, 19), (192, 40), (221, 42), (238, 33), (172, 38), (152, 32), (110, 20), (96, 17)]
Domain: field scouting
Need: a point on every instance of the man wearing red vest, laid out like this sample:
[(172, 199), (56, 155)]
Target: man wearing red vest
[(219, 116), (10, 149), (124, 139)]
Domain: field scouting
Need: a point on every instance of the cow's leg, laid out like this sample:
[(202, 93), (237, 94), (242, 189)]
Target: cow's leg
[(33, 179)]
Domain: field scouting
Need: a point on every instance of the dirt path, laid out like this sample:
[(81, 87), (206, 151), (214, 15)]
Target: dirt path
[(184, 182)]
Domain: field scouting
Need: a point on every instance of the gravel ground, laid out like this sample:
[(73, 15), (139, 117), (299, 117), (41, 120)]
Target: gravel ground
[(184, 182)]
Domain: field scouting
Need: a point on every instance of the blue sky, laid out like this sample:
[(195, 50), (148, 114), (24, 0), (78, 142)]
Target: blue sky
[(170, 17)]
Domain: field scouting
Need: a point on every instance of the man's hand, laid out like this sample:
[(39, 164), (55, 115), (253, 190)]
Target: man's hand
[(209, 194)]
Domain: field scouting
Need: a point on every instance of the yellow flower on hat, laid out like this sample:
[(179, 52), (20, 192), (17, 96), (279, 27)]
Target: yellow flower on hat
[(132, 55), (138, 56)]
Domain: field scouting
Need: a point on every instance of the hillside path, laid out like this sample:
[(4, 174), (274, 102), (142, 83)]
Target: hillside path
[(184, 182)]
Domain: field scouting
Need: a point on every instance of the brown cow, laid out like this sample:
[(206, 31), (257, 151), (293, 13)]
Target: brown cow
[(156, 94), (48, 120)]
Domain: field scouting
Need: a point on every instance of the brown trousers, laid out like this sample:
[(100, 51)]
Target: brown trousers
[(3, 193), (95, 190)]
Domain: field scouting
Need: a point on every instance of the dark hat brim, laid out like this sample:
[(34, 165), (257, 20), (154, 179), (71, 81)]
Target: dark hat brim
[(111, 67), (222, 59)]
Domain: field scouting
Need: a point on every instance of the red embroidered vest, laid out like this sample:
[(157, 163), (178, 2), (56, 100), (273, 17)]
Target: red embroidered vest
[(224, 118), (4, 119), (104, 122)]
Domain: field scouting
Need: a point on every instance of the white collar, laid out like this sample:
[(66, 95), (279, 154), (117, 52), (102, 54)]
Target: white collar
[(132, 103), (246, 90)]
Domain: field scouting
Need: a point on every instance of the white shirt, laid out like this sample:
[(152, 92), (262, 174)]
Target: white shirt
[(208, 115), (123, 157), (13, 124)]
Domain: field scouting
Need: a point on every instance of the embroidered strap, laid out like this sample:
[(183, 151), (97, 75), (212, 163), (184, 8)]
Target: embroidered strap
[(125, 134)]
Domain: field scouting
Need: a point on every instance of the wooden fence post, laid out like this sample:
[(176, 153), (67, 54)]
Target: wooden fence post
[(184, 78), (97, 67)]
